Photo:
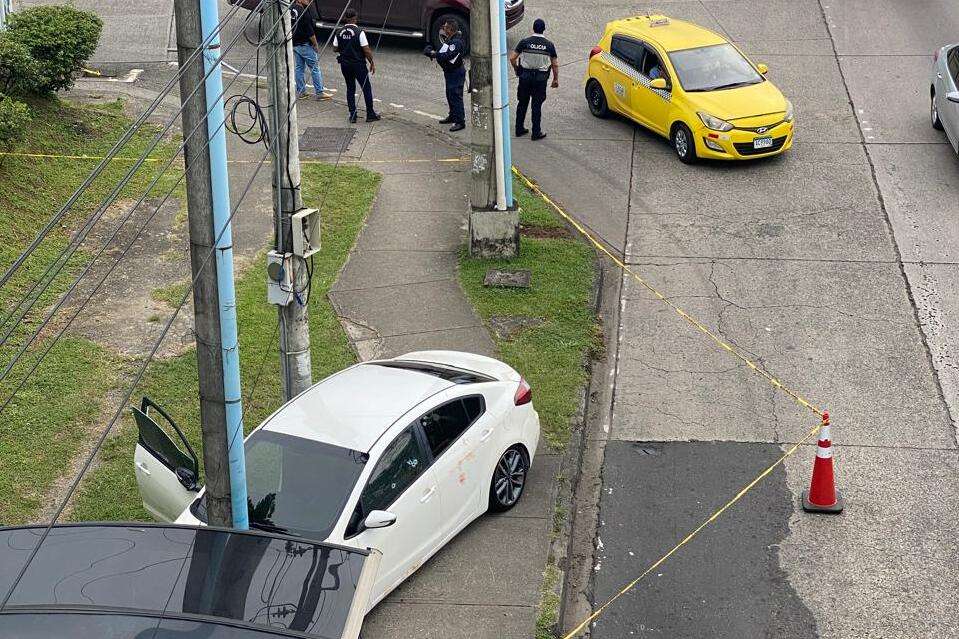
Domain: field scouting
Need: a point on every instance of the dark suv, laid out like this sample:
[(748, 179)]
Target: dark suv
[(407, 18)]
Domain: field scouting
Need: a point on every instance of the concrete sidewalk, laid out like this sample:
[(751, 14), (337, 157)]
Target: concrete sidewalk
[(399, 292)]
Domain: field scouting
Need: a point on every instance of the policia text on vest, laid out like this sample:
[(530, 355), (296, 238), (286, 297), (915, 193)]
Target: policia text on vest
[(533, 60), (353, 53), (450, 59)]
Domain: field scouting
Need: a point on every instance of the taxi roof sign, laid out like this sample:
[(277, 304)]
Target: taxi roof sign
[(658, 21)]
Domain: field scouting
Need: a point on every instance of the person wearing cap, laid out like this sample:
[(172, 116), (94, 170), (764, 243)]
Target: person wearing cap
[(533, 59)]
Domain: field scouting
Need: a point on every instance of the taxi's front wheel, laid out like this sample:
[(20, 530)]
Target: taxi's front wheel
[(683, 143), (596, 98)]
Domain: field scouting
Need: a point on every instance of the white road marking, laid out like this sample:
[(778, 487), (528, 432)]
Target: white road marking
[(397, 106), (428, 115)]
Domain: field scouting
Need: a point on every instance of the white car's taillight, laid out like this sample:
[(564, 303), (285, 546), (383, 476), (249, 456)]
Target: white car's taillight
[(524, 394)]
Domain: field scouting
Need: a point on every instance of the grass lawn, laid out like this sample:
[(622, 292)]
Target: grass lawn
[(43, 428), (110, 492), (550, 356)]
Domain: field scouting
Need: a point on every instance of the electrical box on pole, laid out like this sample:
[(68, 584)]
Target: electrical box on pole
[(306, 232), (279, 278)]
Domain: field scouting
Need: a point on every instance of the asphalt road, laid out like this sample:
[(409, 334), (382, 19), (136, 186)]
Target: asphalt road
[(834, 266)]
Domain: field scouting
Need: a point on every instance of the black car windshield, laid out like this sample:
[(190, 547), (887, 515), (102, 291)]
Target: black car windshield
[(711, 68), (295, 485)]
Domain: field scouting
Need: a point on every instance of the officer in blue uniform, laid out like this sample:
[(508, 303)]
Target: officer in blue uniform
[(450, 59), (533, 60), (353, 49)]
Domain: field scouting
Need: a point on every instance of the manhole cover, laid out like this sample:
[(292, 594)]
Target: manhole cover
[(325, 139)]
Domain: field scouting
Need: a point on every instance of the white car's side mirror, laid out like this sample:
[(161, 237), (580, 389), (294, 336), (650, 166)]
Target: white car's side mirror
[(953, 96), (379, 519)]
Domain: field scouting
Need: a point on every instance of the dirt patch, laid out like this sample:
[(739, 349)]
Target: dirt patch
[(544, 233), (507, 327), (122, 314)]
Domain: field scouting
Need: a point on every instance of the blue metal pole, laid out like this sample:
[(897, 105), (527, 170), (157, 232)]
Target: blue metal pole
[(504, 80), (220, 186)]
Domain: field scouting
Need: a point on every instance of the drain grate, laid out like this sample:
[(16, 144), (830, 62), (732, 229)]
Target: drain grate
[(325, 139)]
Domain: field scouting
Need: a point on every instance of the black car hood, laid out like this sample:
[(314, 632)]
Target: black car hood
[(176, 575)]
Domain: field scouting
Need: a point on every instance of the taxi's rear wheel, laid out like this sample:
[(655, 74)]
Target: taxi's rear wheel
[(596, 98), (683, 143)]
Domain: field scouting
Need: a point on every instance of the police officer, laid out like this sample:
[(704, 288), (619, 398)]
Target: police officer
[(354, 52), (450, 59), (533, 59)]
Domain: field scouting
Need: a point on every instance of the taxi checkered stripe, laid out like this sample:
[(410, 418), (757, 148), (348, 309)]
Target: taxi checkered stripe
[(632, 73)]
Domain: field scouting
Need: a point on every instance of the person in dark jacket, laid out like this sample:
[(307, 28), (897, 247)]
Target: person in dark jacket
[(306, 48), (354, 51), (450, 58), (533, 60)]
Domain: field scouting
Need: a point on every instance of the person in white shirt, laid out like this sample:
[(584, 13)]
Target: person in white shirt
[(354, 52)]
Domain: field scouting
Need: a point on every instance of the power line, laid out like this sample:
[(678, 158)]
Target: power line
[(142, 371), (124, 139), (129, 393), (61, 261), (77, 281)]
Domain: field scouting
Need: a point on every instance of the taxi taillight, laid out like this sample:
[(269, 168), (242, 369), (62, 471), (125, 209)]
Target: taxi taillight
[(595, 51)]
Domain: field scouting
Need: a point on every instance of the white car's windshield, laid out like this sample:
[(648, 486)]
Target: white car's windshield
[(712, 68), (295, 485)]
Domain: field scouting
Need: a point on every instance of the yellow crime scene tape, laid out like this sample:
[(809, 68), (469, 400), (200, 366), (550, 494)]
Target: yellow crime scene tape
[(796, 397), (120, 158)]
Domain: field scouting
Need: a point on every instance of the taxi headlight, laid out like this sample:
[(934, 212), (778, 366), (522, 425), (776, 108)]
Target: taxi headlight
[(789, 111), (714, 123)]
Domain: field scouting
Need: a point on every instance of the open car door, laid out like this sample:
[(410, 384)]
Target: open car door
[(166, 467)]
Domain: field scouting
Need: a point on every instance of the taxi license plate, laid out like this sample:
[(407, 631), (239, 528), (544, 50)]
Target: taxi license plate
[(763, 143)]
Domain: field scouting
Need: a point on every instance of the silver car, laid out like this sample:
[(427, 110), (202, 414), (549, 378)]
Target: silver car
[(944, 93)]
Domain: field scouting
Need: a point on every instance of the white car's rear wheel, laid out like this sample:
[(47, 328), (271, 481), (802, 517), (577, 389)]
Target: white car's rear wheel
[(509, 480), (934, 113)]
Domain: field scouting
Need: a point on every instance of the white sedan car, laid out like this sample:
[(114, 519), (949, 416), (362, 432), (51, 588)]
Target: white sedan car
[(396, 455), (944, 93)]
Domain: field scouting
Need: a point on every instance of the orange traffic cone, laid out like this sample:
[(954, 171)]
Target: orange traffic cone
[(822, 496)]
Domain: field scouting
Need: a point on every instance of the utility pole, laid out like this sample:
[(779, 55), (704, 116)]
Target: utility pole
[(214, 300), (295, 364), (494, 227), (481, 96)]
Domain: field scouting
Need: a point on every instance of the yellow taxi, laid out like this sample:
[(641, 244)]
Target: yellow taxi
[(691, 85)]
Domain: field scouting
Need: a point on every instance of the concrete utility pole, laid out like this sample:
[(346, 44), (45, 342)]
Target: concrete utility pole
[(214, 300), (493, 233), (295, 364), (483, 191)]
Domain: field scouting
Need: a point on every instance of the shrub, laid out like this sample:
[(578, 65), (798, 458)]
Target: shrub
[(14, 118), (19, 72), (59, 38)]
